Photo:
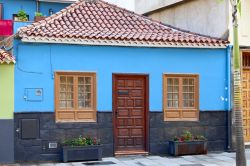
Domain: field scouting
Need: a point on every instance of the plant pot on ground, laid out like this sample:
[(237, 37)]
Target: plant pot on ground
[(39, 16), (81, 149), (188, 144)]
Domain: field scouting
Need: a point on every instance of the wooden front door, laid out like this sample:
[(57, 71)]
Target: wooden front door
[(130, 113), (246, 103)]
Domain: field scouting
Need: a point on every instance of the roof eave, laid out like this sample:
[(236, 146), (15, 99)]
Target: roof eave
[(8, 63), (120, 43)]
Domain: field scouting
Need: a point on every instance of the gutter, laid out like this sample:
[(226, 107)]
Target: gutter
[(229, 98), (37, 6), (118, 43)]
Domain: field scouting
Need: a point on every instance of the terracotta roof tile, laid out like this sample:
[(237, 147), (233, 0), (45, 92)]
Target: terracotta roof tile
[(6, 57), (95, 21)]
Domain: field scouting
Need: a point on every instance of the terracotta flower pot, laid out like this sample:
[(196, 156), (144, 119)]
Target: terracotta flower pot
[(39, 18)]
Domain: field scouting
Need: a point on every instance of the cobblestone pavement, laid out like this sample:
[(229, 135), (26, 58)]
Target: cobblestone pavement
[(211, 159)]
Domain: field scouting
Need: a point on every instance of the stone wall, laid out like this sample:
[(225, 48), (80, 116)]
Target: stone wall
[(6, 141), (212, 124), (37, 149)]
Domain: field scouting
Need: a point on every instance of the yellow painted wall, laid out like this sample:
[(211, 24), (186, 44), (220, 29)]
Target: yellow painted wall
[(6, 91)]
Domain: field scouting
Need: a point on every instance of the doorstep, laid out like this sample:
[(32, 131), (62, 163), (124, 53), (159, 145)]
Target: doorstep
[(122, 153), (247, 145)]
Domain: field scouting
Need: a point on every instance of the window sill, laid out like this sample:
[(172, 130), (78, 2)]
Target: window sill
[(181, 120), (77, 121)]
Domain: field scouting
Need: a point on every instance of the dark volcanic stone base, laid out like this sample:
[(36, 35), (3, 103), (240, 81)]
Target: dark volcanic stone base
[(212, 124), (38, 149), (6, 141)]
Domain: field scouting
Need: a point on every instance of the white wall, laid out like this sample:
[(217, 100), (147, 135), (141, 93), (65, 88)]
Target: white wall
[(144, 6), (208, 17), (244, 24), (127, 4)]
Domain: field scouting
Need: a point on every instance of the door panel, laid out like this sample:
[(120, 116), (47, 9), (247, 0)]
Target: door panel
[(130, 105), (246, 103)]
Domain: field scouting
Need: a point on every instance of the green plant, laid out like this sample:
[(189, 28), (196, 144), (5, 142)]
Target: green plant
[(38, 14), (188, 136), (176, 138), (22, 15), (82, 141), (199, 137)]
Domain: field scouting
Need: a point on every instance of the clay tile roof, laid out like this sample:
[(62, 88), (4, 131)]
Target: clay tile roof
[(6, 57), (94, 22)]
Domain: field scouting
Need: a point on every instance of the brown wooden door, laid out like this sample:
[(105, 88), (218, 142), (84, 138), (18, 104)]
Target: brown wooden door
[(246, 103), (130, 107)]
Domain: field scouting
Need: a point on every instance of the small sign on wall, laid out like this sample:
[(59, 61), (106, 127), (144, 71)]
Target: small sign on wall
[(33, 94)]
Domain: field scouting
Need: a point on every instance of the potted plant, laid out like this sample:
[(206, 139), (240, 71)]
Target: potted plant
[(188, 144), (39, 16), (21, 16), (81, 149)]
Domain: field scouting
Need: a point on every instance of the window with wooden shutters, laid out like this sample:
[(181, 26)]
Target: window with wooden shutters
[(246, 60), (181, 97), (75, 97)]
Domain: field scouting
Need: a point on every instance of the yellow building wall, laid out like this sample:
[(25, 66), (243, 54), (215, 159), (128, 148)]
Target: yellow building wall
[(6, 91)]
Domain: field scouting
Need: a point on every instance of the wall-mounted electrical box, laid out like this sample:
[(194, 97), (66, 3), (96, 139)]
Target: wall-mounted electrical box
[(33, 94), (29, 128)]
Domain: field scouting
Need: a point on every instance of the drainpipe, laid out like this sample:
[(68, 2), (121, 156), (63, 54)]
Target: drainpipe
[(229, 98), (37, 6)]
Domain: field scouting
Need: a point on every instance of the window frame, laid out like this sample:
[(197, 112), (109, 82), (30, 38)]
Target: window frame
[(92, 111), (178, 114)]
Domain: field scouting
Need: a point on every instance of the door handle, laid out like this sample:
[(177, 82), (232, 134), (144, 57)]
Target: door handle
[(18, 130)]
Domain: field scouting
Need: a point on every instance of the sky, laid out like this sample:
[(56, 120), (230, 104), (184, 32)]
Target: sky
[(128, 4)]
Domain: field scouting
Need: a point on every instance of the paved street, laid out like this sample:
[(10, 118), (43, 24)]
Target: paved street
[(211, 159)]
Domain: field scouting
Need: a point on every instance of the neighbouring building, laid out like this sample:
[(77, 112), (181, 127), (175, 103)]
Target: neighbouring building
[(7, 61), (209, 17), (96, 69), (212, 18), (10, 8)]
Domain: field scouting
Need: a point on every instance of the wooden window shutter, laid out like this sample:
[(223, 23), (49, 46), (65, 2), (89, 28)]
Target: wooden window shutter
[(75, 97), (246, 60), (180, 97)]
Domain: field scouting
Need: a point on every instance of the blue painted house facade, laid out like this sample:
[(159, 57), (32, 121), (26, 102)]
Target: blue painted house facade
[(96, 69)]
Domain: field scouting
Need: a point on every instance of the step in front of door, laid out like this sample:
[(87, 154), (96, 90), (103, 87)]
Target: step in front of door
[(122, 153), (247, 145)]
